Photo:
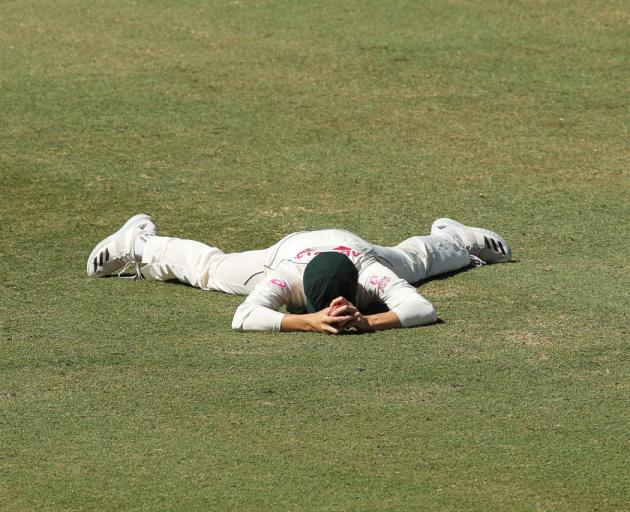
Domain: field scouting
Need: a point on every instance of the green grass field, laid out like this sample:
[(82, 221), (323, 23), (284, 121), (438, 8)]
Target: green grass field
[(236, 122)]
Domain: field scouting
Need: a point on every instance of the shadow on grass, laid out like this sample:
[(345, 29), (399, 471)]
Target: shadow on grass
[(379, 307), (448, 275)]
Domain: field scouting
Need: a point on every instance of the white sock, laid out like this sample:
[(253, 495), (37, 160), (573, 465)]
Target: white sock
[(139, 245)]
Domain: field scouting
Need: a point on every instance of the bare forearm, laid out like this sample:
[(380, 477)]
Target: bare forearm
[(320, 321), (297, 323), (346, 316), (382, 321)]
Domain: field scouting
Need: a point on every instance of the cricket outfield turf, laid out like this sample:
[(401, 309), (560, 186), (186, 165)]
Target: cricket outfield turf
[(236, 122)]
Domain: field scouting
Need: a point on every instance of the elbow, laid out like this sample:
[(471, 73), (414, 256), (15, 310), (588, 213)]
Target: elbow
[(427, 314), (236, 325), (238, 320), (431, 316), (416, 314), (256, 318)]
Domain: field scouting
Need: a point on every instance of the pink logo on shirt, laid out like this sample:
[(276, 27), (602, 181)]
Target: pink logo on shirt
[(347, 251), (379, 282), (279, 282), (311, 253), (306, 253)]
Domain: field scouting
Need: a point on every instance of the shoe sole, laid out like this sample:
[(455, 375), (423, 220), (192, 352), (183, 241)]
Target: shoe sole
[(133, 220)]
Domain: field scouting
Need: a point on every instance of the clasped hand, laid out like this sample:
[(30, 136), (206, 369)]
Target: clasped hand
[(340, 316)]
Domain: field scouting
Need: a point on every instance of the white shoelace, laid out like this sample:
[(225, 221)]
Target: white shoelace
[(135, 274), (476, 262)]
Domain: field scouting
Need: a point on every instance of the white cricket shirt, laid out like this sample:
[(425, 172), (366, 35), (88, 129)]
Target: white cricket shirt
[(283, 282)]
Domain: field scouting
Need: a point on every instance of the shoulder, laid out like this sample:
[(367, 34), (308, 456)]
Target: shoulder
[(284, 278)]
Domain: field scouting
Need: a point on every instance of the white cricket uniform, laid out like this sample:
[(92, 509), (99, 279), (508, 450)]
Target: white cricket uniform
[(272, 278)]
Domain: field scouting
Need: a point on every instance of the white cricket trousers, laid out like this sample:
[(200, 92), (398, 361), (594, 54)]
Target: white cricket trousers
[(209, 268)]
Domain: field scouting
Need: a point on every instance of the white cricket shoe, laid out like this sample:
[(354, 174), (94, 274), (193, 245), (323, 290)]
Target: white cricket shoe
[(115, 254), (481, 243)]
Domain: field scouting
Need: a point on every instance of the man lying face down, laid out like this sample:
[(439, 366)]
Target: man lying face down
[(329, 280)]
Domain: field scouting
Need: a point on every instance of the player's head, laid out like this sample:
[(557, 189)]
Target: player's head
[(327, 276)]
